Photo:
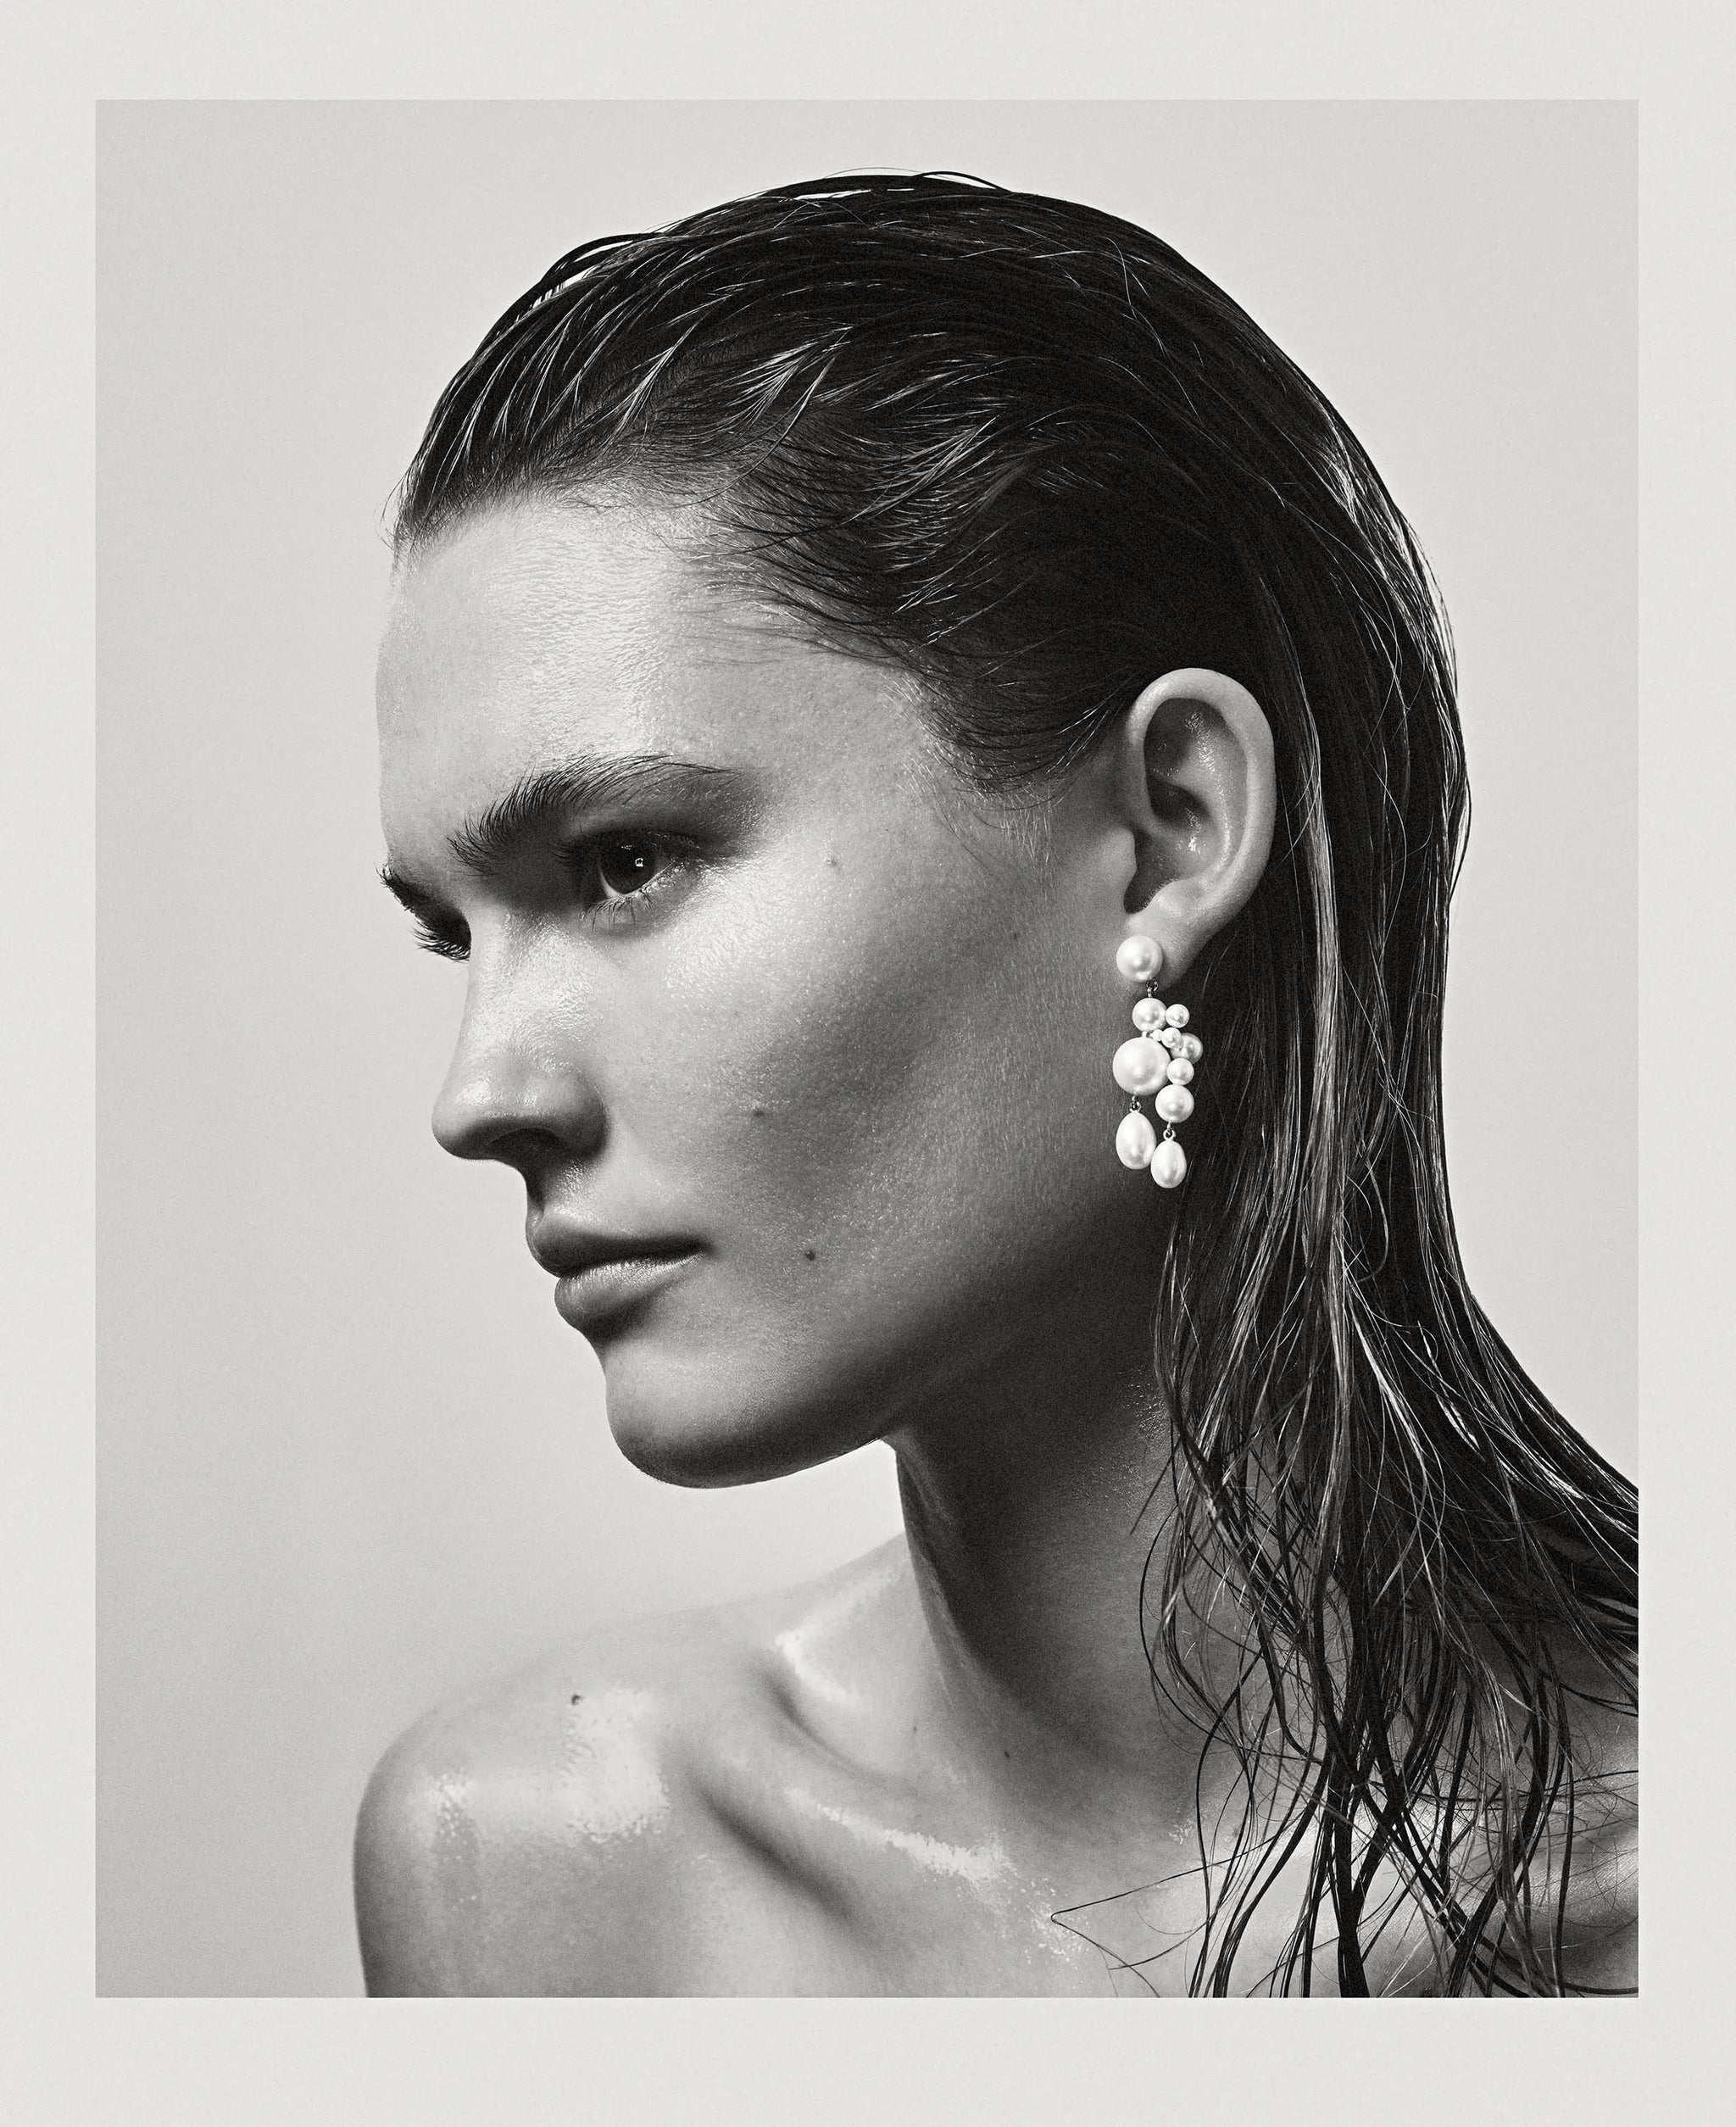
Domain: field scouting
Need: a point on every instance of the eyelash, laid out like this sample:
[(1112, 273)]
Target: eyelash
[(582, 861), (450, 947)]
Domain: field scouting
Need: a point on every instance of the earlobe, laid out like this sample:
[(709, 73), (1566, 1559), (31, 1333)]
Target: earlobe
[(1200, 790)]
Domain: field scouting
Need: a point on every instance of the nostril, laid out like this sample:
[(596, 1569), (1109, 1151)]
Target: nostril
[(518, 1118), (477, 1133)]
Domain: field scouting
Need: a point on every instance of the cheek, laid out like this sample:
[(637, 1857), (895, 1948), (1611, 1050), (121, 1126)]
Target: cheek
[(892, 1128), (878, 1078)]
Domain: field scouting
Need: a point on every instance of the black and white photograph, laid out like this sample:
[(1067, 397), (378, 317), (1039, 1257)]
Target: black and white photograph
[(866, 984)]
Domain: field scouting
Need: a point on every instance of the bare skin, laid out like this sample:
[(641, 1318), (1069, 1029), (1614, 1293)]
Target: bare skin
[(769, 1800), (810, 1038), (778, 1798)]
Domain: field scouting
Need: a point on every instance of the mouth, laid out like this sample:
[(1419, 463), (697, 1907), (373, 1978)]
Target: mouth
[(599, 1279)]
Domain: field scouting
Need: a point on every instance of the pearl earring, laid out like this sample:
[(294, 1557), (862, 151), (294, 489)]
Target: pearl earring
[(1158, 1059)]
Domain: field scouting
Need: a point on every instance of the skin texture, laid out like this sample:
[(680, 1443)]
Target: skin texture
[(831, 1030)]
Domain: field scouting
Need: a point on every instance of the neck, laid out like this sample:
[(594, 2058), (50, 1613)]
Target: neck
[(1031, 1504)]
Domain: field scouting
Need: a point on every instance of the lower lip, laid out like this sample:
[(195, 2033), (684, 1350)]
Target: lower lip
[(589, 1298)]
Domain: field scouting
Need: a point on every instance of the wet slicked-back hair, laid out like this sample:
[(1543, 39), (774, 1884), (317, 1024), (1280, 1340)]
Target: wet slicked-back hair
[(1024, 451)]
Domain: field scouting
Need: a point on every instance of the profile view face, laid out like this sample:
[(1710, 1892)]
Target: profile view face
[(796, 1038), (897, 691)]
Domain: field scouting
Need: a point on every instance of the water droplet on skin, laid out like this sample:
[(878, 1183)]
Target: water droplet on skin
[(610, 1776)]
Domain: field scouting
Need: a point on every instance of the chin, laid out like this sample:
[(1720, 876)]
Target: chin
[(700, 1428)]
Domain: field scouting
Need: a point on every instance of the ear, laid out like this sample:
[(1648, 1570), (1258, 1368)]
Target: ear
[(1194, 780)]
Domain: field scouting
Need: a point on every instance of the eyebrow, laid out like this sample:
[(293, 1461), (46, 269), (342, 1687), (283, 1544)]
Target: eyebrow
[(539, 806)]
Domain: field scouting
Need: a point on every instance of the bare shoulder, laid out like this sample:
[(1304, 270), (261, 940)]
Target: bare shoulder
[(525, 1840), (556, 1833)]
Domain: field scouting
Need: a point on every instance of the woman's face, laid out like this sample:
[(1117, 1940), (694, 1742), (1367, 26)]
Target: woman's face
[(800, 1046)]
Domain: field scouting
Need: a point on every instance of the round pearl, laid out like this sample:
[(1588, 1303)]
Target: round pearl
[(1192, 1048), (1139, 1065), (1169, 1163), (1135, 1141), (1139, 957), (1171, 1041), (1177, 1015), (1147, 1014), (1175, 1103), (1181, 1072)]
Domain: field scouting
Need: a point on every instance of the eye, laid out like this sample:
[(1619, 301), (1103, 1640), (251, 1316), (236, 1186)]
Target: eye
[(626, 864), (619, 877)]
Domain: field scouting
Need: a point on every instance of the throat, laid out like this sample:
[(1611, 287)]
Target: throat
[(1033, 1540)]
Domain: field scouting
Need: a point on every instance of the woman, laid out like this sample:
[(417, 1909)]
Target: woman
[(902, 694)]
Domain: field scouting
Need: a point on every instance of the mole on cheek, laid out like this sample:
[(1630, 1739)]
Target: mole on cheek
[(811, 1254)]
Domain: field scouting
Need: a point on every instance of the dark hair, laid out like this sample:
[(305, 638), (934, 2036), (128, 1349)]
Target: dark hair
[(1025, 451)]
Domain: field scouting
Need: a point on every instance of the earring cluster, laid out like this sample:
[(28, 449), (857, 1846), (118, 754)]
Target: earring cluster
[(1159, 1062)]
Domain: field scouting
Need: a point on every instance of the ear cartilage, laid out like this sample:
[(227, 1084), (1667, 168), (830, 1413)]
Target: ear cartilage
[(1159, 1062)]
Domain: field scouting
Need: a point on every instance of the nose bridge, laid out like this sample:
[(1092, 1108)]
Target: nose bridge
[(518, 1072)]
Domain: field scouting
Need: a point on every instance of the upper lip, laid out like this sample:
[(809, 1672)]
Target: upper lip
[(565, 1250)]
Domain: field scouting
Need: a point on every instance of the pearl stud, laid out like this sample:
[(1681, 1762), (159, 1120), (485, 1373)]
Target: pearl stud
[(1139, 957)]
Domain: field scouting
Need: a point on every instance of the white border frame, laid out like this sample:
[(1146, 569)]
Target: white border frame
[(840, 2062)]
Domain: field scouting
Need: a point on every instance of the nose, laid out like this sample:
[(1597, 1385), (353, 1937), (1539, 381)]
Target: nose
[(515, 1091)]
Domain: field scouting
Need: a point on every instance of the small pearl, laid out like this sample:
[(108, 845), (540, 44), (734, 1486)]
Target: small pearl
[(1175, 1103), (1139, 957), (1177, 1015), (1192, 1048), (1139, 1065), (1135, 1141), (1147, 1014), (1181, 1072), (1169, 1163), (1171, 1041)]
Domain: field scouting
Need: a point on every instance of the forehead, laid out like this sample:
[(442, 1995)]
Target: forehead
[(538, 630), (530, 630)]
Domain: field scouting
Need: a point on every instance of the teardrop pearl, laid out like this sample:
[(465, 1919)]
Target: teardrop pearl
[(1147, 1013), (1139, 1065), (1177, 1015), (1175, 1103), (1135, 1140), (1181, 1072), (1192, 1048), (1169, 1163), (1139, 957)]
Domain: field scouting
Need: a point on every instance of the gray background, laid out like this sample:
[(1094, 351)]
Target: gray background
[(349, 1458)]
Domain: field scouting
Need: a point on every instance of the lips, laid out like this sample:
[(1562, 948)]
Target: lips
[(601, 1275), (568, 1251)]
